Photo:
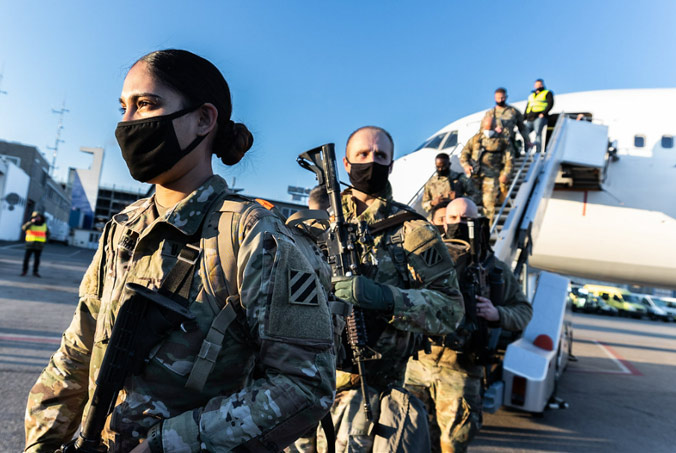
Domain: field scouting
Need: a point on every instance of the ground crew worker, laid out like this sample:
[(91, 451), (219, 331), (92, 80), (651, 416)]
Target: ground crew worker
[(446, 185), (488, 160), (506, 119), (36, 236), (407, 286), (540, 103), (447, 380), (270, 376)]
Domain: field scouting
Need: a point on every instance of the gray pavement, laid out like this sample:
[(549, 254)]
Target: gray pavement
[(621, 391), (33, 314)]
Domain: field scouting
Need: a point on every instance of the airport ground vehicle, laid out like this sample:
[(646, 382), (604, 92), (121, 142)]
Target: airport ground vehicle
[(582, 300), (668, 303), (656, 308), (627, 303)]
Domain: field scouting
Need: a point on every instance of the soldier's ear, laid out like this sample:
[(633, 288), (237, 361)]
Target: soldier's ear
[(347, 165)]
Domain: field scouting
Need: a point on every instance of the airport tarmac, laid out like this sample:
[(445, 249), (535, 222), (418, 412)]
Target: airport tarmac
[(621, 391)]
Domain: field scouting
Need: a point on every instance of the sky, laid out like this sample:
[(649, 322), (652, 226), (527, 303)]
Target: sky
[(305, 73)]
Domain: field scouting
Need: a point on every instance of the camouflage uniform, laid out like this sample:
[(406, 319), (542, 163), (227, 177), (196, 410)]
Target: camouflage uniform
[(449, 386), (273, 378), (451, 186), (426, 300), (509, 118), (496, 161)]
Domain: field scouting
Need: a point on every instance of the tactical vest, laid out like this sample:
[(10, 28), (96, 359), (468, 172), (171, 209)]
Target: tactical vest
[(37, 233), (537, 102)]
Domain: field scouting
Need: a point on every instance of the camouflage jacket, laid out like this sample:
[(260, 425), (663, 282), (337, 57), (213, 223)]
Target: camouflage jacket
[(515, 313), (273, 378), (496, 158), (413, 261), (450, 186), (509, 118)]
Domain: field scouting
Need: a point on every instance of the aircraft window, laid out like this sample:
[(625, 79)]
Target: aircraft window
[(424, 144), (451, 140), (617, 298), (667, 141), (604, 296), (639, 141), (436, 141)]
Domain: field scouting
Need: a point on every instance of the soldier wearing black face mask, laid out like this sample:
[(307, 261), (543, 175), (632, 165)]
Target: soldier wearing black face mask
[(455, 405), (406, 286), (446, 185), (506, 119)]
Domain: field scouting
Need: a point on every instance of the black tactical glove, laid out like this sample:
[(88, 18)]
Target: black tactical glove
[(364, 293)]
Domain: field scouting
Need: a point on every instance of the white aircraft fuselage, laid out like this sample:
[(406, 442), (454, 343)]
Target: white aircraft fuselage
[(624, 230)]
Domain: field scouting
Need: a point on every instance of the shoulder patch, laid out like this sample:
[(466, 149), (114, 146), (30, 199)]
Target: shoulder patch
[(431, 256), (297, 306), (425, 251), (303, 289)]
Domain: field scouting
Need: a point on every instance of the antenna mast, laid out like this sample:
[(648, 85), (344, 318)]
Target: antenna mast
[(63, 110)]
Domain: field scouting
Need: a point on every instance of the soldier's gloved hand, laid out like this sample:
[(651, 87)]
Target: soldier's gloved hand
[(364, 293)]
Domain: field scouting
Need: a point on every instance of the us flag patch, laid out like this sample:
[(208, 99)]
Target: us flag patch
[(431, 256), (303, 288)]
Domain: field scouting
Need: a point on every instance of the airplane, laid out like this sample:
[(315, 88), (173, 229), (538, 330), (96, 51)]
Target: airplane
[(598, 203)]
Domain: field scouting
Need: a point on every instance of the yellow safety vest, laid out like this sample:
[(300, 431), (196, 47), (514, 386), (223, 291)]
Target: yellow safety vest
[(537, 102), (37, 233)]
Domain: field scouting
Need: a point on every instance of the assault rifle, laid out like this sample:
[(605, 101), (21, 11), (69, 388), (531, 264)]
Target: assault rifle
[(142, 321), (342, 240), (479, 279)]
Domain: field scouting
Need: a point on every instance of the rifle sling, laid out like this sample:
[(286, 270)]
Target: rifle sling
[(394, 220)]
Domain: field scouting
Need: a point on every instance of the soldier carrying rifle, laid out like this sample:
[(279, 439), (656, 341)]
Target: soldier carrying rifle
[(201, 324), (405, 286), (449, 379)]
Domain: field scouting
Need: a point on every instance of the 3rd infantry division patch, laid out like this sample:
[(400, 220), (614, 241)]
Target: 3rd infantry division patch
[(431, 256), (303, 288)]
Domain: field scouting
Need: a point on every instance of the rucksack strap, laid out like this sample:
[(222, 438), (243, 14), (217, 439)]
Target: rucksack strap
[(211, 346), (227, 251)]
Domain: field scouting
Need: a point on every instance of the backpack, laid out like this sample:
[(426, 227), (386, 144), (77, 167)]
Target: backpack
[(231, 218)]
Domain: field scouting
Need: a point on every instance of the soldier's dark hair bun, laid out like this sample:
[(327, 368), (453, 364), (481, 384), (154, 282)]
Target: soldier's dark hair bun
[(232, 141), (200, 82)]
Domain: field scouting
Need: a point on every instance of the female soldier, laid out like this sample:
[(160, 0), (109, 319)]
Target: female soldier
[(273, 378)]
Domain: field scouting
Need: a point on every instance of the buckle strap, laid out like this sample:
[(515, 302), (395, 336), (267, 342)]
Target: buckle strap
[(179, 278), (211, 346)]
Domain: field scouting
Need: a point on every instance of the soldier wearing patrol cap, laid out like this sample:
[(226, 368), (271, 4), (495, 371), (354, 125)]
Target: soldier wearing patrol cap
[(406, 287), (36, 237), (251, 382)]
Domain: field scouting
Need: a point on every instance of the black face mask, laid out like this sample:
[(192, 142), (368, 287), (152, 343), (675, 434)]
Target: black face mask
[(150, 146), (501, 103), (457, 231), (442, 230), (443, 172), (370, 178)]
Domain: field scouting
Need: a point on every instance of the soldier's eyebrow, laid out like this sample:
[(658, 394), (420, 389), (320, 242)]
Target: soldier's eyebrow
[(135, 96)]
